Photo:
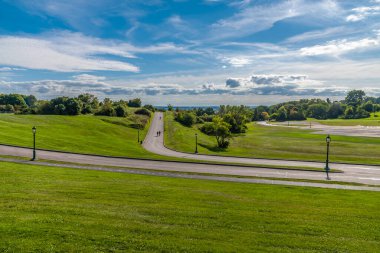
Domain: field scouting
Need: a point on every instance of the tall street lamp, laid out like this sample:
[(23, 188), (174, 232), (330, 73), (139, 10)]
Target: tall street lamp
[(196, 143), (328, 140), (34, 130), (138, 134)]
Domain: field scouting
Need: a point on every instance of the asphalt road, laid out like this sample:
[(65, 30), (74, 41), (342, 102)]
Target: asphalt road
[(196, 176)]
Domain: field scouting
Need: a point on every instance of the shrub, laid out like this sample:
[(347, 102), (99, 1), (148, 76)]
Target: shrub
[(186, 118), (106, 110), (120, 111), (143, 111), (136, 102)]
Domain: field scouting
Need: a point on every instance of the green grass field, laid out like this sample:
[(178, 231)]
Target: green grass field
[(372, 121), (44, 209), (82, 134), (275, 142)]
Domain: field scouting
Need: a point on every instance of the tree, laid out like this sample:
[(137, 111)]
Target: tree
[(90, 103), (59, 109), (170, 107), (264, 116), (150, 108), (355, 97), (219, 129), (335, 110), (143, 111), (368, 106), (30, 100), (281, 114), (295, 114), (185, 118), (73, 106), (136, 102), (349, 113), (236, 117), (120, 111), (318, 111)]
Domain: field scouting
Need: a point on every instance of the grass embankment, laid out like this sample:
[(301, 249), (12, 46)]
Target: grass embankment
[(80, 134), (85, 134), (52, 209), (275, 142)]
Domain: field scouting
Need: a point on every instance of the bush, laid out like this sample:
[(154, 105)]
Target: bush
[(120, 111), (106, 110), (150, 108), (143, 111), (186, 118), (136, 102)]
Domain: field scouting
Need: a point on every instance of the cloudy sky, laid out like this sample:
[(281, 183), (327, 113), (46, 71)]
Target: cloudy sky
[(205, 52)]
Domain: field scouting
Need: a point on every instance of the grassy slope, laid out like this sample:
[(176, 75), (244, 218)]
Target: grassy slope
[(83, 134), (276, 142), (52, 209)]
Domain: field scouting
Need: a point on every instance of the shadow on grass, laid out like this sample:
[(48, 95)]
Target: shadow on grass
[(212, 148)]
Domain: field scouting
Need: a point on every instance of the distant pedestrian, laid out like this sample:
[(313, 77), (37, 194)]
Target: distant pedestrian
[(157, 133)]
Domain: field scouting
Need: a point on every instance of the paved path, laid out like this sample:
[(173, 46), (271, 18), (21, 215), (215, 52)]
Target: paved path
[(318, 128), (352, 173), (193, 176), (362, 174)]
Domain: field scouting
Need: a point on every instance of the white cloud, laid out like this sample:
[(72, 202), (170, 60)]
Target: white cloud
[(337, 47), (74, 52), (363, 12), (256, 18), (33, 53), (319, 34), (238, 61)]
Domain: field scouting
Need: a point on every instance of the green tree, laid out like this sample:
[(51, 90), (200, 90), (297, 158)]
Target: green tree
[(318, 111), (355, 97), (282, 114), (219, 129), (335, 110), (368, 106), (136, 102), (73, 106), (120, 111)]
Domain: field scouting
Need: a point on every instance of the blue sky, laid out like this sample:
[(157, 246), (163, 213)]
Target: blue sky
[(205, 52)]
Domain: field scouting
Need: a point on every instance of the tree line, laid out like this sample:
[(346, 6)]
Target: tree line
[(82, 104)]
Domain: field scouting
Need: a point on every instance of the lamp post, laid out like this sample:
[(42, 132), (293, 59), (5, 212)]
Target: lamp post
[(328, 140), (138, 134), (196, 143), (34, 130)]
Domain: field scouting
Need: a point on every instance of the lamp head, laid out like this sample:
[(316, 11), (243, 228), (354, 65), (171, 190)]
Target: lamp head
[(34, 129), (328, 139)]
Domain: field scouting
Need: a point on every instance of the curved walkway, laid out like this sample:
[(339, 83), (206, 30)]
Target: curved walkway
[(155, 144)]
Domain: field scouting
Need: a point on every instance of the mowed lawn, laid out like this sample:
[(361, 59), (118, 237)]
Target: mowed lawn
[(45, 209), (372, 121), (275, 142), (81, 134)]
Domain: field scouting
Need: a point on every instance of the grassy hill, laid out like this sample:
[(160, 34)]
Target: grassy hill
[(45, 209), (82, 134), (275, 142)]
